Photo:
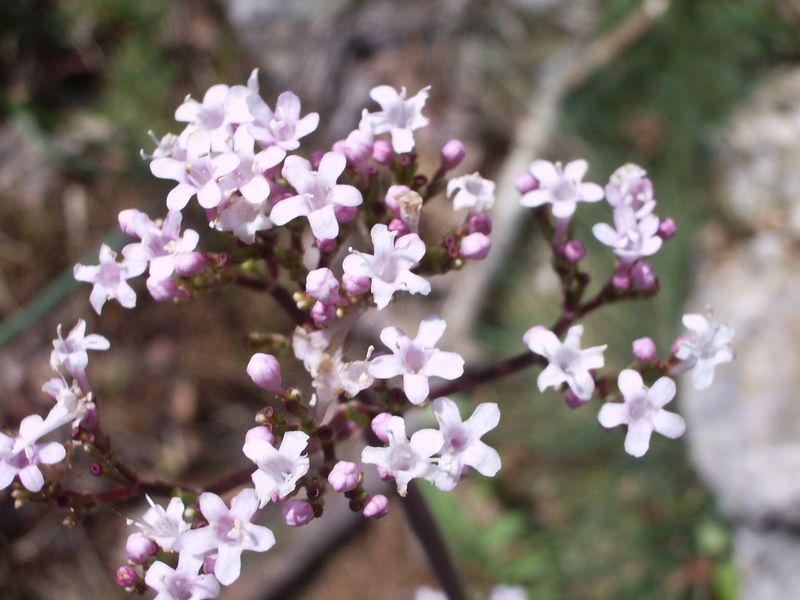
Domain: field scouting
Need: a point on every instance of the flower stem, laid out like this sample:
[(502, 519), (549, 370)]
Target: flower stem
[(424, 527)]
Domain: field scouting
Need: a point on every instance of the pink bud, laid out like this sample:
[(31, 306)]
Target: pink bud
[(475, 246), (572, 400), (621, 280), (139, 547), (643, 276), (326, 245), (339, 146), (480, 223), (345, 214), (209, 564), (190, 263), (297, 513), (359, 146), (379, 424), (322, 285), (344, 476), (667, 229), (126, 576), (574, 250), (399, 226), (323, 313), (265, 371), (356, 285), (163, 290), (644, 349), (260, 434), (391, 196), (453, 152), (376, 507), (382, 152), (526, 183), (90, 417)]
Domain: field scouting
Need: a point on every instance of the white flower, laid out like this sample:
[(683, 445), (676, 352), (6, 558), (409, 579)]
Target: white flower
[(472, 192), (405, 459), (20, 455), (389, 269), (283, 127), (71, 354), (165, 527), (183, 582), (317, 194), (416, 360), (333, 377), (70, 404), (561, 187), (399, 117), (631, 237), (567, 363), (630, 187), (279, 469), (708, 346), (229, 532), (462, 442), (642, 411), (161, 243), (198, 174), (109, 279), (241, 217), (248, 178)]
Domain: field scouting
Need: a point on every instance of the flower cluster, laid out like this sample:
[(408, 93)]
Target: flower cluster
[(330, 235)]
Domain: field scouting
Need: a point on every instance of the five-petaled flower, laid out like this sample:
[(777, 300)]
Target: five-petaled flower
[(708, 346), (278, 468), (109, 279), (561, 187), (400, 115)]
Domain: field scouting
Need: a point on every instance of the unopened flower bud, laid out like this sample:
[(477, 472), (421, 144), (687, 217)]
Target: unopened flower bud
[(323, 313), (526, 183), (643, 276), (453, 152), (382, 152), (644, 349), (376, 507), (125, 576), (574, 250), (163, 290), (667, 229), (297, 513), (326, 245), (90, 416), (475, 246), (344, 476), (621, 280), (265, 371), (480, 223), (260, 434), (139, 547), (359, 146), (379, 424), (345, 214), (392, 194), (399, 226), (190, 263), (356, 285), (339, 146), (322, 285)]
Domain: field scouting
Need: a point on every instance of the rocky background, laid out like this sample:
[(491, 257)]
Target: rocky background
[(705, 95)]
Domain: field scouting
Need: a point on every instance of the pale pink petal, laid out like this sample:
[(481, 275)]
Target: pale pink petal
[(212, 507), (484, 459), (385, 95), (430, 331), (168, 168), (485, 418), (289, 105), (613, 415), (542, 341), (697, 323), (661, 392), (591, 192), (564, 209), (294, 444), (576, 169), (51, 453), (669, 424), (703, 374), (346, 195), (32, 478), (179, 196), (244, 505), (447, 365), (637, 441), (331, 166), (386, 367), (416, 387), (582, 384), (535, 198), (605, 234), (323, 223), (630, 383), (256, 190), (545, 173), (427, 442), (551, 376), (296, 171), (209, 196), (402, 140), (306, 125), (288, 209)]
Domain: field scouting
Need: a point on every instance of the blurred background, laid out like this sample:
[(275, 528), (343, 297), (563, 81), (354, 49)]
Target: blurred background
[(705, 94)]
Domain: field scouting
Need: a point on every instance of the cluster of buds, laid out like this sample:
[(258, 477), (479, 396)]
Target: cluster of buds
[(293, 218)]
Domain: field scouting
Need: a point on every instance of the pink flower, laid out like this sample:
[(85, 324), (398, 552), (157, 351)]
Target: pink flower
[(248, 178), (283, 127), (229, 532), (184, 582), (317, 194), (389, 269), (472, 192), (462, 442), (71, 354), (416, 360), (708, 345), (109, 279), (630, 187), (399, 116), (631, 237), (241, 217), (405, 459), (561, 187), (164, 527), (567, 363), (21, 456), (278, 468), (162, 243), (642, 411)]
